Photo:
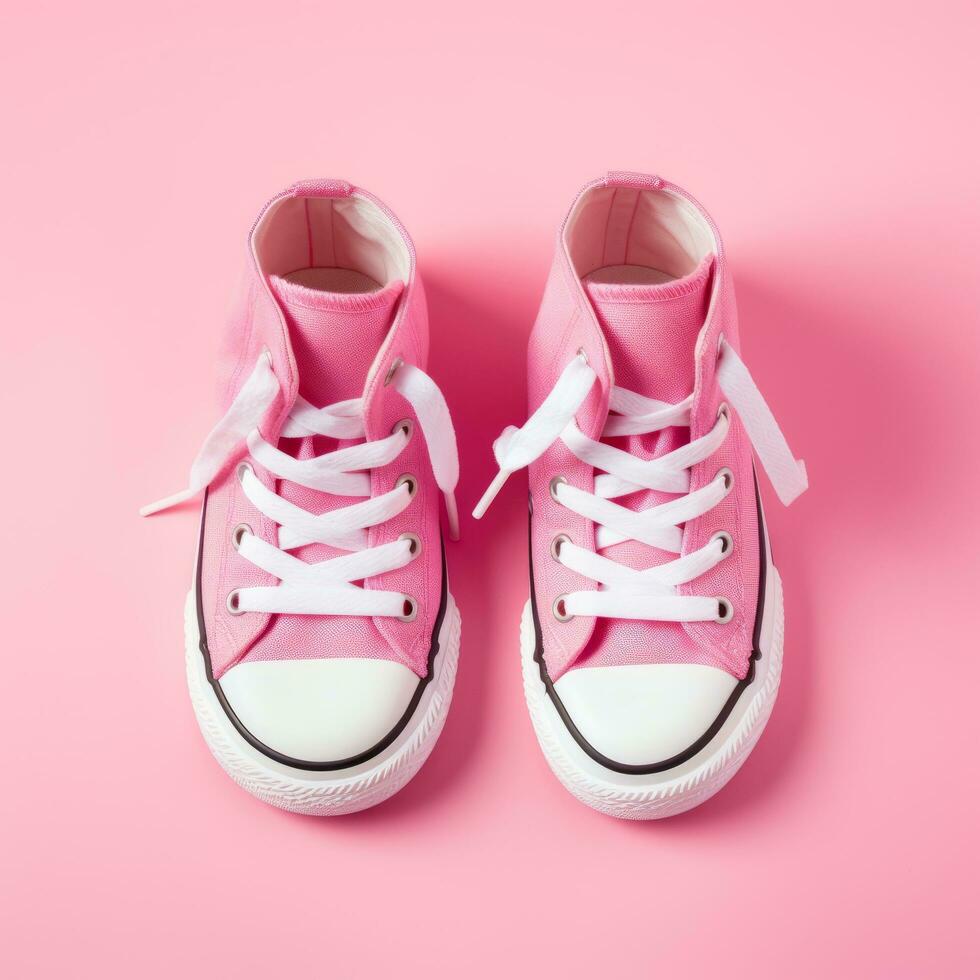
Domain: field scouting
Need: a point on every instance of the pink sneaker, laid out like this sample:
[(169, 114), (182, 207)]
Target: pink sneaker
[(653, 640), (321, 636)]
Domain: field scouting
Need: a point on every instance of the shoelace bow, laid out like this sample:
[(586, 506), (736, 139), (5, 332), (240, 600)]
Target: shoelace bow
[(326, 587), (649, 593)]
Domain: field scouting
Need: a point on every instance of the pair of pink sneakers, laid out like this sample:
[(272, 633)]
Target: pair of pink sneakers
[(321, 636)]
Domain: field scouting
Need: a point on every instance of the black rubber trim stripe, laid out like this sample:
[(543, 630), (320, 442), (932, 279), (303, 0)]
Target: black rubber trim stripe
[(715, 727), (354, 760)]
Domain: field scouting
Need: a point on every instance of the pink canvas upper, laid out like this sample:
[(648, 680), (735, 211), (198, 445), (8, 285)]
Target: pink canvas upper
[(660, 340), (330, 346)]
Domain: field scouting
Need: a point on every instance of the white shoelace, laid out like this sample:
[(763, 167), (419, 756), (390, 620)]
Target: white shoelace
[(650, 593), (326, 587)]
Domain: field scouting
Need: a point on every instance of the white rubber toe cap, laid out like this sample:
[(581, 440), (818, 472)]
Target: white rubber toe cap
[(319, 711), (644, 714)]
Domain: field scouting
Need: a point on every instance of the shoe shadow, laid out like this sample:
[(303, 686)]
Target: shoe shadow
[(837, 391)]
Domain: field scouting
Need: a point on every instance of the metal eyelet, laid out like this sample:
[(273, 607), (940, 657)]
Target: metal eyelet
[(727, 543), (393, 370), (723, 411), (242, 469), (414, 543), (405, 425), (727, 475), (553, 487), (725, 610), (559, 610), (232, 603), (410, 609), (409, 482), (238, 533), (556, 544)]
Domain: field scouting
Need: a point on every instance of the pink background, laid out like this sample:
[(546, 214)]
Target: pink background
[(837, 151)]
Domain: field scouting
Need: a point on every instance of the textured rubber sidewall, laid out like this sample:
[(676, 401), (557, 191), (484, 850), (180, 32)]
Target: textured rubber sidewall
[(295, 790)]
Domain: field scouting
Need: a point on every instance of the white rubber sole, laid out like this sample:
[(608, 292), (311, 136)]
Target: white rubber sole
[(668, 793), (325, 793)]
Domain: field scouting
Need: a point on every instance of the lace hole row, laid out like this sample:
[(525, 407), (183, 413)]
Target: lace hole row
[(232, 600), (410, 607), (557, 543), (409, 481), (727, 542), (405, 425), (414, 543), (560, 610), (726, 611)]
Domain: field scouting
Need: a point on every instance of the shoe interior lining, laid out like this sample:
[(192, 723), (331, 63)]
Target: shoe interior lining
[(334, 280), (341, 244), (632, 275), (640, 236)]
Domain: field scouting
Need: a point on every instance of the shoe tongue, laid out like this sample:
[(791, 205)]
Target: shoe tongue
[(336, 331), (651, 328), (337, 321)]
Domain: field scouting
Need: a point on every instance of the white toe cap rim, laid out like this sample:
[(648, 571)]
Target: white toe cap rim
[(642, 714), (319, 710)]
